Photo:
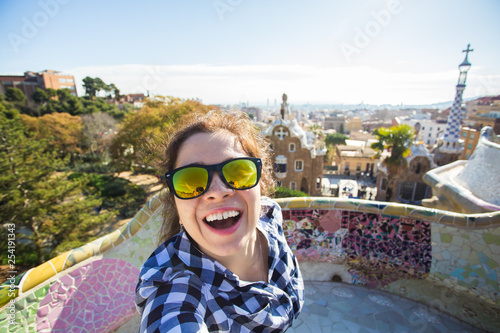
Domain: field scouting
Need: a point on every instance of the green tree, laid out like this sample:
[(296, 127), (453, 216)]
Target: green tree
[(398, 140), (116, 92), (285, 192), (90, 87), (15, 95), (316, 129), (152, 124), (69, 103), (335, 139), (62, 131), (36, 197), (40, 96), (100, 105)]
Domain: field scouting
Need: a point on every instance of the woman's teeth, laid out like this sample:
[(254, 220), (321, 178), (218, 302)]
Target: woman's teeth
[(222, 216)]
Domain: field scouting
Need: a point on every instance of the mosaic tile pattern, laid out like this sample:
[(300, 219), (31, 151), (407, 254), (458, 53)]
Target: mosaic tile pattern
[(379, 248), (452, 131), (97, 297), (144, 242), (469, 258), (99, 246), (25, 314), (334, 307), (382, 244)]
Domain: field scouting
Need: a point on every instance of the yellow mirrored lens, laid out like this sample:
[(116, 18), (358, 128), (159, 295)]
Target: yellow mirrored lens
[(190, 182), (240, 174)]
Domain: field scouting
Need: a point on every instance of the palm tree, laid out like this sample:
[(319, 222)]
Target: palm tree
[(316, 129), (331, 141), (396, 139)]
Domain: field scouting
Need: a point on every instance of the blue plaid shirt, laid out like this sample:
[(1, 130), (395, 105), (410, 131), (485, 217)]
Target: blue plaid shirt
[(181, 289)]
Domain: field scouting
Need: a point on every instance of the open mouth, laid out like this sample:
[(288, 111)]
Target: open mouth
[(222, 220)]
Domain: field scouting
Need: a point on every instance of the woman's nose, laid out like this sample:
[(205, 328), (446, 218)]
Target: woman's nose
[(218, 189)]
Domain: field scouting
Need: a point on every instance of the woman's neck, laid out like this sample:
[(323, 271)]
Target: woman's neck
[(251, 265)]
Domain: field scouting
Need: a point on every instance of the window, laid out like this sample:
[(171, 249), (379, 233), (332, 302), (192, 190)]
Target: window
[(464, 134), (412, 192), (318, 182), (280, 166), (293, 186), (417, 170), (299, 165), (62, 80), (471, 136), (291, 147), (347, 165), (383, 186), (358, 167), (469, 146), (69, 80), (405, 190)]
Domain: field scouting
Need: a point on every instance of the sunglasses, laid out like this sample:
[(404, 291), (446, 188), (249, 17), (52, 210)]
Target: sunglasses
[(191, 181)]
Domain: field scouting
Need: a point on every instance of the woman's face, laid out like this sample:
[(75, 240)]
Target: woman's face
[(230, 236)]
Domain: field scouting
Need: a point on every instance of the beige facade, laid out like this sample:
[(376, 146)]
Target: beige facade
[(352, 159), (483, 105), (353, 125), (471, 138), (56, 80), (336, 123)]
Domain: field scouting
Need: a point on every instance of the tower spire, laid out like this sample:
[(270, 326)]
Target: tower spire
[(285, 112), (451, 147)]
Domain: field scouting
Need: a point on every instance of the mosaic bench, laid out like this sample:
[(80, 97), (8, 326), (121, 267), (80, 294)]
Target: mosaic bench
[(447, 260)]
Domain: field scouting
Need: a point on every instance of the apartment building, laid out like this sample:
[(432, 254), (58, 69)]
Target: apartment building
[(30, 81), (355, 157)]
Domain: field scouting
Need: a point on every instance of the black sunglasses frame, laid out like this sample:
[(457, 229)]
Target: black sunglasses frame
[(169, 176)]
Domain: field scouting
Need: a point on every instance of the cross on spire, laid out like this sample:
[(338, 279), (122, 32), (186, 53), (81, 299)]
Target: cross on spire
[(468, 50)]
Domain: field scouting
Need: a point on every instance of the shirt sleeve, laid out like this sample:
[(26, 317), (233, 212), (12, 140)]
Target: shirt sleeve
[(176, 306), (290, 267)]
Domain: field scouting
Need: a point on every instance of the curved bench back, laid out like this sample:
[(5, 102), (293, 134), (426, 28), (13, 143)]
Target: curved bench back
[(377, 244)]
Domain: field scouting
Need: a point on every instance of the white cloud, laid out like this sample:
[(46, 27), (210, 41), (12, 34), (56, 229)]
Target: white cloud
[(258, 83)]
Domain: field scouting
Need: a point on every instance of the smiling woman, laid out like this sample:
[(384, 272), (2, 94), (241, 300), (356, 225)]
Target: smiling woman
[(224, 264)]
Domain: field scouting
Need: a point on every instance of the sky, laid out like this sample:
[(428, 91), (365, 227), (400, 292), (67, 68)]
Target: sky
[(233, 51)]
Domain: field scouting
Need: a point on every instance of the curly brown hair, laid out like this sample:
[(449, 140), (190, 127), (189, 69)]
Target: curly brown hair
[(238, 124)]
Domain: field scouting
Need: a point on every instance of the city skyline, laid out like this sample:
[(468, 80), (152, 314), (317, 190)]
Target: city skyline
[(231, 51)]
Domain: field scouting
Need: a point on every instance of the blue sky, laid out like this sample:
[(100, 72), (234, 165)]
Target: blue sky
[(230, 51)]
